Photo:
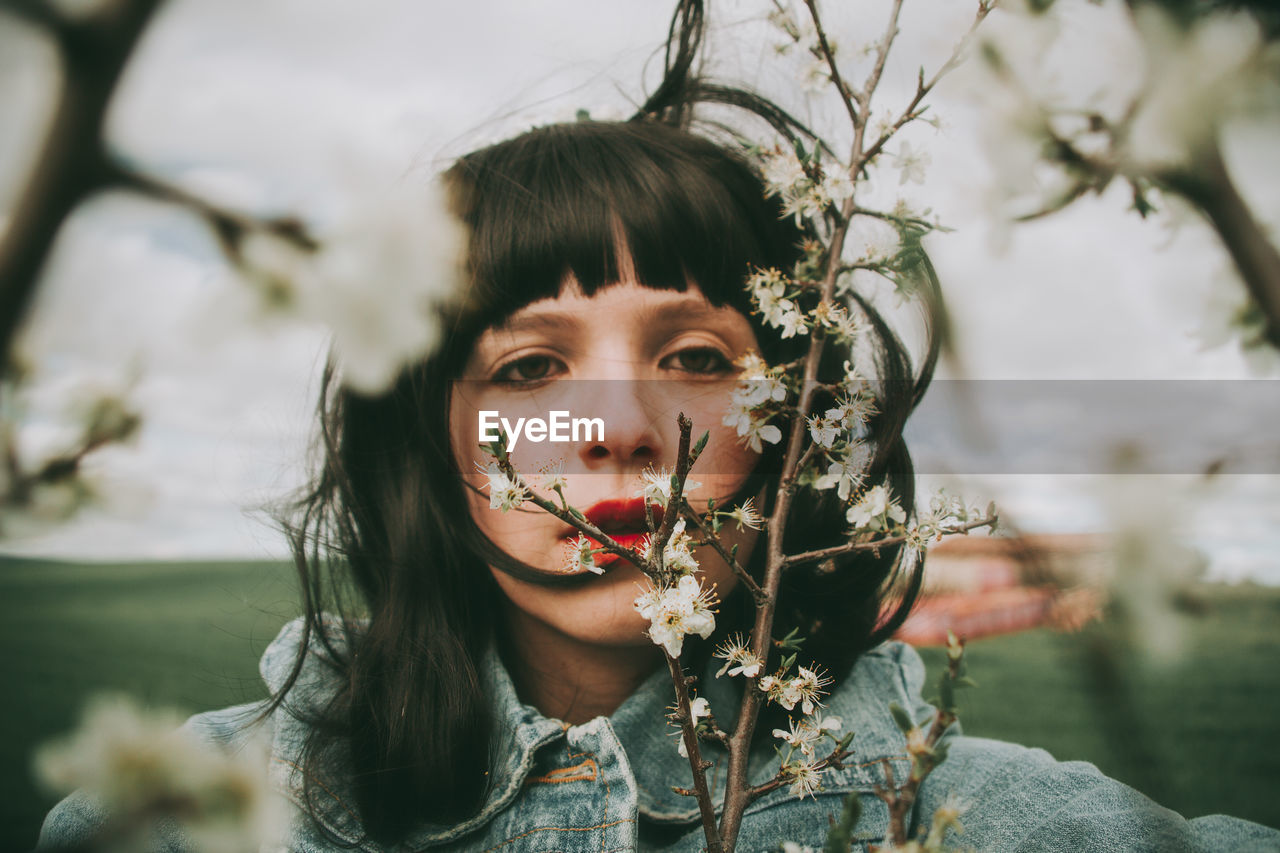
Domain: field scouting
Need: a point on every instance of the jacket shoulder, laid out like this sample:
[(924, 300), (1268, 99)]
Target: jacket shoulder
[(1014, 797)]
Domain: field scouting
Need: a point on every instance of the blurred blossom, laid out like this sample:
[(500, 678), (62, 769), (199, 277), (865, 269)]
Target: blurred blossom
[(1152, 562), (1194, 76), (911, 163), (392, 257), (143, 767), (47, 432)]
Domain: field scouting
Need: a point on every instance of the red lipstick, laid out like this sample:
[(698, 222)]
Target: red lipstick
[(623, 520)]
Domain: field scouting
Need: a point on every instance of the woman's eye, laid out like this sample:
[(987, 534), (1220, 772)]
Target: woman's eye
[(702, 360), (533, 368)]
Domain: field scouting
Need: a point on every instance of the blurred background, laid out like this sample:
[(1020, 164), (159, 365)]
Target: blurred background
[(1131, 452)]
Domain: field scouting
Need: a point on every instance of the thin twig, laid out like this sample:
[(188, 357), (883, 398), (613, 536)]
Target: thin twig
[(901, 220), (924, 88), (684, 716), (671, 512), (878, 544), (882, 55), (606, 541), (833, 761), (757, 594), (230, 226), (827, 54)]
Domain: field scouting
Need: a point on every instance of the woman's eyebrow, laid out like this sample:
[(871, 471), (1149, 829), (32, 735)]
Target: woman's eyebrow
[(681, 312), (535, 322)]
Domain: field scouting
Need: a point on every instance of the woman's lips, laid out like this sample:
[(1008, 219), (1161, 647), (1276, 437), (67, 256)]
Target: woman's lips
[(623, 520)]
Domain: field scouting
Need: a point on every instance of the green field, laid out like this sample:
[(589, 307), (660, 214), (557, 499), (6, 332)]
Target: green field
[(1198, 734)]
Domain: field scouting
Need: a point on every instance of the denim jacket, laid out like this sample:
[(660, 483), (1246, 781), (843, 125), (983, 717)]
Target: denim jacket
[(606, 785)]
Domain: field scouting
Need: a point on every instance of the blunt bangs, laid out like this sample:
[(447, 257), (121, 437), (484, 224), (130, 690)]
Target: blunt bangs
[(579, 199)]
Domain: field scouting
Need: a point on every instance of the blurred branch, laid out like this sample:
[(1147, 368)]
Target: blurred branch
[(92, 55), (230, 226), (1209, 187)]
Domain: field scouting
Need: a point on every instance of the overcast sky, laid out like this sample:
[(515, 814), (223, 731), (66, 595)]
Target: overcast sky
[(260, 104)]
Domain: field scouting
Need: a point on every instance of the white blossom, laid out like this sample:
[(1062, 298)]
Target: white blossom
[(754, 431), (912, 163), (141, 767), (383, 268), (802, 689), (805, 200), (1193, 77), (782, 171), (746, 515), (752, 366), (738, 658), (698, 708), (656, 487), (809, 685), (853, 411), (678, 553), (807, 732), (504, 493), (674, 612), (837, 318), (792, 847), (815, 77), (769, 290), (792, 321), (580, 558), (837, 186), (875, 510), (824, 431), (754, 392), (806, 778), (553, 477), (845, 473)]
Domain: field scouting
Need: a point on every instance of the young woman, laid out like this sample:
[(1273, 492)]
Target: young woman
[(451, 686)]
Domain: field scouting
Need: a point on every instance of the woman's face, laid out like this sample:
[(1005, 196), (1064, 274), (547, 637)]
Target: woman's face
[(634, 358)]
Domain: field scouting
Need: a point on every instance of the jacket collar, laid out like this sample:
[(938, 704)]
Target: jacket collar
[(891, 671)]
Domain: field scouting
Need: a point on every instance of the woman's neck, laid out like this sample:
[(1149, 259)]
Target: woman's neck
[(567, 679)]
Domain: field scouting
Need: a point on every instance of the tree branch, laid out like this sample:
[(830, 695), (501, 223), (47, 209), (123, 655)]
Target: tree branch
[(684, 716), (846, 96), (877, 544), (606, 541), (757, 594), (73, 166)]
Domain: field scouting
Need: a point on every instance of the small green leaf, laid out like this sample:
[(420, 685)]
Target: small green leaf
[(701, 443), (901, 717), (840, 835)]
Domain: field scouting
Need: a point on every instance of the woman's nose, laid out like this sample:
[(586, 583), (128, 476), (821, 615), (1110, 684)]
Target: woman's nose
[(634, 426)]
